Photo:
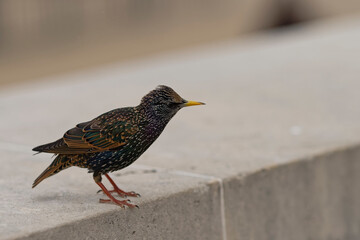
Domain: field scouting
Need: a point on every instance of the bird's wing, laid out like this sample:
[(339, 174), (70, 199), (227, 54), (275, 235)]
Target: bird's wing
[(108, 131)]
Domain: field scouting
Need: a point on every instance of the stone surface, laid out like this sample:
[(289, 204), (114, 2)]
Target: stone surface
[(67, 207), (314, 198), (281, 116)]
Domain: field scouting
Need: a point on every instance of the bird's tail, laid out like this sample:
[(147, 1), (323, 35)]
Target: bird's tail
[(61, 162)]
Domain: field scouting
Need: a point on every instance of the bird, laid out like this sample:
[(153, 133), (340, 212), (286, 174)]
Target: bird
[(114, 140)]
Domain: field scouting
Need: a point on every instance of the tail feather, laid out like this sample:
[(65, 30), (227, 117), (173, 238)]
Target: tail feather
[(61, 162)]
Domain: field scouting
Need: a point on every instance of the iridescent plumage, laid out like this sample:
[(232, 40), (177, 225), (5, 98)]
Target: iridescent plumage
[(115, 139)]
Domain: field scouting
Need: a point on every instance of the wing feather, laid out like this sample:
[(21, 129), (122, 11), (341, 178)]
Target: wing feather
[(108, 131)]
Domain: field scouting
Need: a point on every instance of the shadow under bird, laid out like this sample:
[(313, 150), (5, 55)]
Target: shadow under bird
[(114, 140)]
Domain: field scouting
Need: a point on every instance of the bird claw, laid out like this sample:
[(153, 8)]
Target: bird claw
[(132, 194), (122, 193), (125, 194), (135, 194)]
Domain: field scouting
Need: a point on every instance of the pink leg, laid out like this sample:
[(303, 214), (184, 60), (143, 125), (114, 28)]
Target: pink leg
[(119, 191), (114, 200)]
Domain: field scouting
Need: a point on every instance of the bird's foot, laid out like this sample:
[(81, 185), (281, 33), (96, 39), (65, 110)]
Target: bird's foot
[(122, 193), (113, 200), (122, 203)]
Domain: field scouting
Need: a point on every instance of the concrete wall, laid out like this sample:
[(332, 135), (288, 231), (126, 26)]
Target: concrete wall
[(315, 198)]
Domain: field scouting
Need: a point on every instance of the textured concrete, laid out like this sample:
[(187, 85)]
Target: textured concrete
[(314, 198), (68, 206), (273, 154)]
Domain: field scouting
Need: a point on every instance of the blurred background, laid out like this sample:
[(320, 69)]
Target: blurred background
[(40, 38)]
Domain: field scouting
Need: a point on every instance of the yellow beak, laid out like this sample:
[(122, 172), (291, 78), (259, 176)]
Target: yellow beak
[(192, 103)]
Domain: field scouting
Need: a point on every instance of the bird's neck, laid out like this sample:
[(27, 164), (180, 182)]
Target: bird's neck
[(155, 121)]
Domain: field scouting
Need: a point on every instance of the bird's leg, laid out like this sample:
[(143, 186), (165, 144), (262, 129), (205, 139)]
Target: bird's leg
[(119, 191), (97, 179)]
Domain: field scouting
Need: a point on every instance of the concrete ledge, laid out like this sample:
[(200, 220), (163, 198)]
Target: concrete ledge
[(273, 155), (313, 198), (67, 207)]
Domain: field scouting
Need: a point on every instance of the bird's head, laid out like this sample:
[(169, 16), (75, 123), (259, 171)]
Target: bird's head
[(163, 102)]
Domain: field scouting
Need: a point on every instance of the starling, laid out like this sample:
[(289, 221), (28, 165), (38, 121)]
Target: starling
[(114, 140)]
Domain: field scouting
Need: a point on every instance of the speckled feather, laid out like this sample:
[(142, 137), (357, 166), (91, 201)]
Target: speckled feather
[(115, 139)]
